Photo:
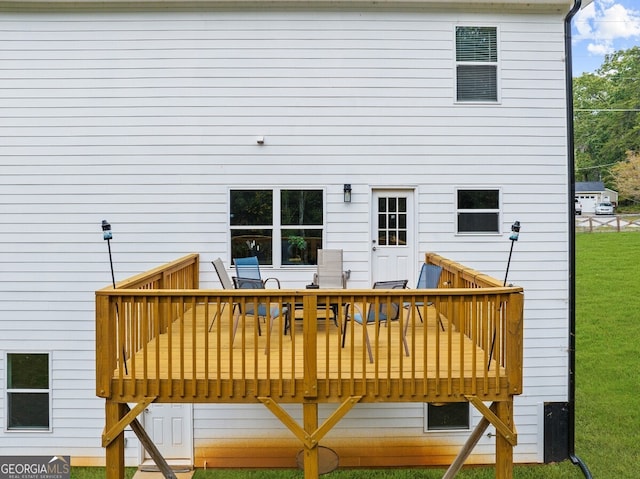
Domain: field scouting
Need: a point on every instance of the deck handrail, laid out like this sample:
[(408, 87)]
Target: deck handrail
[(158, 334)]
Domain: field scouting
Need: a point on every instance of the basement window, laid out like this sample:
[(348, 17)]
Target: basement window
[(448, 416), (28, 392)]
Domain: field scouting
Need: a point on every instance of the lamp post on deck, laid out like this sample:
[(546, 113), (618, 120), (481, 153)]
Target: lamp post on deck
[(107, 236), (515, 232)]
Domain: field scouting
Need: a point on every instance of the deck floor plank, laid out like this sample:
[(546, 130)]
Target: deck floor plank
[(205, 353)]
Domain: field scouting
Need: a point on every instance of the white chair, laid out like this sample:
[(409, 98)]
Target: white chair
[(330, 273)]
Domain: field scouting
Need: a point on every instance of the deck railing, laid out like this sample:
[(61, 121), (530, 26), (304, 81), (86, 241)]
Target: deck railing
[(159, 335)]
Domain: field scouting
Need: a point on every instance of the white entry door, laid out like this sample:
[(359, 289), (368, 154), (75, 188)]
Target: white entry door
[(392, 235), (170, 428)]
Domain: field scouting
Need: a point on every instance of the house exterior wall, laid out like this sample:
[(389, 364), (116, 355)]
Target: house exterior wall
[(146, 117)]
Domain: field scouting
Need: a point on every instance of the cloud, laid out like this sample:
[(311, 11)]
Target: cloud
[(603, 22)]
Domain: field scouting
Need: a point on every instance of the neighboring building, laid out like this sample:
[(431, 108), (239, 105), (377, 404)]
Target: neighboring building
[(174, 119), (590, 193)]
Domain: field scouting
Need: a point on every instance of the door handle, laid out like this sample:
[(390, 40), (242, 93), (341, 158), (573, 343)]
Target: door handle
[(374, 248)]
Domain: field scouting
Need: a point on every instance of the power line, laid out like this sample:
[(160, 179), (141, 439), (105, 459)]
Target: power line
[(636, 110), (594, 167)]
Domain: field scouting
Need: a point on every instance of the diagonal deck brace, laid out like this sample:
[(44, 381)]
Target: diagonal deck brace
[(109, 436), (510, 436), (310, 440)]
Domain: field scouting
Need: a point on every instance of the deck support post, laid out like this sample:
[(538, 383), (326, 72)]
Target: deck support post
[(311, 458), (500, 414), (504, 447), (118, 417), (114, 412)]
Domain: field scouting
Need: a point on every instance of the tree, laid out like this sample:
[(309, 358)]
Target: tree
[(626, 175), (607, 118)]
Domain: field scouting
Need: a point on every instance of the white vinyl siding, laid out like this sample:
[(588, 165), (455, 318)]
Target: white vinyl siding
[(148, 118)]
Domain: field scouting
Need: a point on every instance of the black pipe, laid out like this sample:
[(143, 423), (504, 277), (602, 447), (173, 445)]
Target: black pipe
[(572, 243)]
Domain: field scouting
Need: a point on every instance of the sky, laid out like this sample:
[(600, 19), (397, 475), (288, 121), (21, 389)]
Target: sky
[(603, 27)]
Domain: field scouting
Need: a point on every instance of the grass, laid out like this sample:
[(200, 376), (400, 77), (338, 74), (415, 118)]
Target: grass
[(607, 352), (607, 377)]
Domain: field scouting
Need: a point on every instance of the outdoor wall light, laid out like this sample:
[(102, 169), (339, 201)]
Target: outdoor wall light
[(347, 193)]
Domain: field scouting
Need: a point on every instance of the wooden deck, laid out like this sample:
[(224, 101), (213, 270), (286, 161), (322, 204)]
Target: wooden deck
[(160, 338), (196, 350)]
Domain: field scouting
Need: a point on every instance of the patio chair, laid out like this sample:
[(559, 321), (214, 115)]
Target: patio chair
[(330, 273), (260, 310), (249, 268), (385, 312), (226, 283), (429, 279)]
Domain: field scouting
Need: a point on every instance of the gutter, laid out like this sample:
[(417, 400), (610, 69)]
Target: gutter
[(572, 242)]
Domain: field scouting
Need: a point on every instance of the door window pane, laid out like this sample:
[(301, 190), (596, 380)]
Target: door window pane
[(392, 221)]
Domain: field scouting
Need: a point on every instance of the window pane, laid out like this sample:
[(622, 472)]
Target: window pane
[(478, 223), (478, 199), (252, 243), (402, 221), (301, 207), (382, 238), (28, 371), (448, 416), (251, 208), (28, 410), (476, 44), (300, 246), (477, 83)]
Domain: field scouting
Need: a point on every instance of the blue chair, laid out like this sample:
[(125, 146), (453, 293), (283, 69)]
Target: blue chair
[(260, 310), (429, 279), (249, 268), (386, 312)]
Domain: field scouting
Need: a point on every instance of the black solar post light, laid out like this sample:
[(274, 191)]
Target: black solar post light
[(107, 236), (515, 232)]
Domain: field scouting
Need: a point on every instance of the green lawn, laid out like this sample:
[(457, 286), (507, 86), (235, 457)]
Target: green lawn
[(607, 376)]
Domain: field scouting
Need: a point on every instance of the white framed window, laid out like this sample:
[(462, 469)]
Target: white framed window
[(281, 226), (28, 386), (476, 64), (452, 416), (478, 210)]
